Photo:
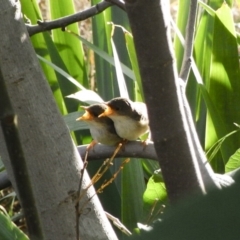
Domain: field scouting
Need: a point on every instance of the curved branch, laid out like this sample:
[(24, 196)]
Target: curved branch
[(130, 149), (80, 16), (118, 3), (205, 169)]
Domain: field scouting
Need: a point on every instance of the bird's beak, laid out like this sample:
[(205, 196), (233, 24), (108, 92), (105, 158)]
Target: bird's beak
[(85, 117), (108, 111)]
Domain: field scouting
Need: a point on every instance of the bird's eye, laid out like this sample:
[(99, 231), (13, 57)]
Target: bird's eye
[(117, 108), (95, 115)]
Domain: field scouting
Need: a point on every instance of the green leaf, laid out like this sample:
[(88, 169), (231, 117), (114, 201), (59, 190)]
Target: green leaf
[(234, 162), (134, 62), (223, 84), (32, 12), (87, 96), (62, 72), (150, 166), (156, 190), (105, 73), (207, 8), (133, 187), (182, 16), (9, 231), (217, 146), (70, 49), (104, 55), (120, 78)]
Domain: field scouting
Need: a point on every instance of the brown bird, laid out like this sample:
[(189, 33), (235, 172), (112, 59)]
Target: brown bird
[(102, 129), (130, 118)]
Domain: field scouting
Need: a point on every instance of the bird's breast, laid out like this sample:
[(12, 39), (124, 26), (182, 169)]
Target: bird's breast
[(128, 128)]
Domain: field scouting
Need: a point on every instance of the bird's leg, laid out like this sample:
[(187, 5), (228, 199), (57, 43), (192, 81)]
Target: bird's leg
[(91, 145), (118, 148), (123, 142), (146, 141)]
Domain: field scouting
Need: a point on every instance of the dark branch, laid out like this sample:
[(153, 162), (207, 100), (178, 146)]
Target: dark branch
[(134, 149), (8, 122), (168, 123), (118, 3), (80, 16), (4, 180)]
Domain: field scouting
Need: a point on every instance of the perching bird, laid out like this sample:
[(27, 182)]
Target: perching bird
[(130, 118), (101, 129)]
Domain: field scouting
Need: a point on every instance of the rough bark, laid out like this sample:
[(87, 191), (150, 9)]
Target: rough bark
[(52, 161), (170, 130)]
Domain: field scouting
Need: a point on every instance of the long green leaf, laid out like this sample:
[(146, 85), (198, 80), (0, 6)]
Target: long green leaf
[(224, 86), (105, 56), (133, 187), (9, 231), (70, 49), (105, 74), (32, 12), (182, 16)]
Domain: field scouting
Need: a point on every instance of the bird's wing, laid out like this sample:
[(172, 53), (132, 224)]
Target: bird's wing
[(140, 110)]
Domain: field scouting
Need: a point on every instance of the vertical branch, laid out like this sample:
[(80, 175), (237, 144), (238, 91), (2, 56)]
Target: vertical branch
[(10, 130), (48, 153), (189, 41), (205, 168), (168, 123)]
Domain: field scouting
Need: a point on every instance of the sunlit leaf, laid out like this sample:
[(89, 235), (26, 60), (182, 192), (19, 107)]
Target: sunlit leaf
[(59, 70), (120, 78), (156, 190), (9, 231), (87, 96), (234, 162), (104, 55), (223, 87)]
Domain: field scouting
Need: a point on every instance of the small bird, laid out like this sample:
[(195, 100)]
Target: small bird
[(101, 129), (130, 118)]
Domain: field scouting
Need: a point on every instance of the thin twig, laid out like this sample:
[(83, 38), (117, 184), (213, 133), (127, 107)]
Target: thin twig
[(77, 17), (189, 40), (105, 184), (118, 224), (100, 171), (95, 178), (154, 212)]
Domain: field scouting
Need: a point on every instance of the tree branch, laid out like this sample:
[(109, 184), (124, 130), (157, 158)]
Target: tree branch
[(168, 123), (42, 140), (80, 16), (118, 3), (9, 126), (134, 149), (205, 169), (189, 40), (4, 180)]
